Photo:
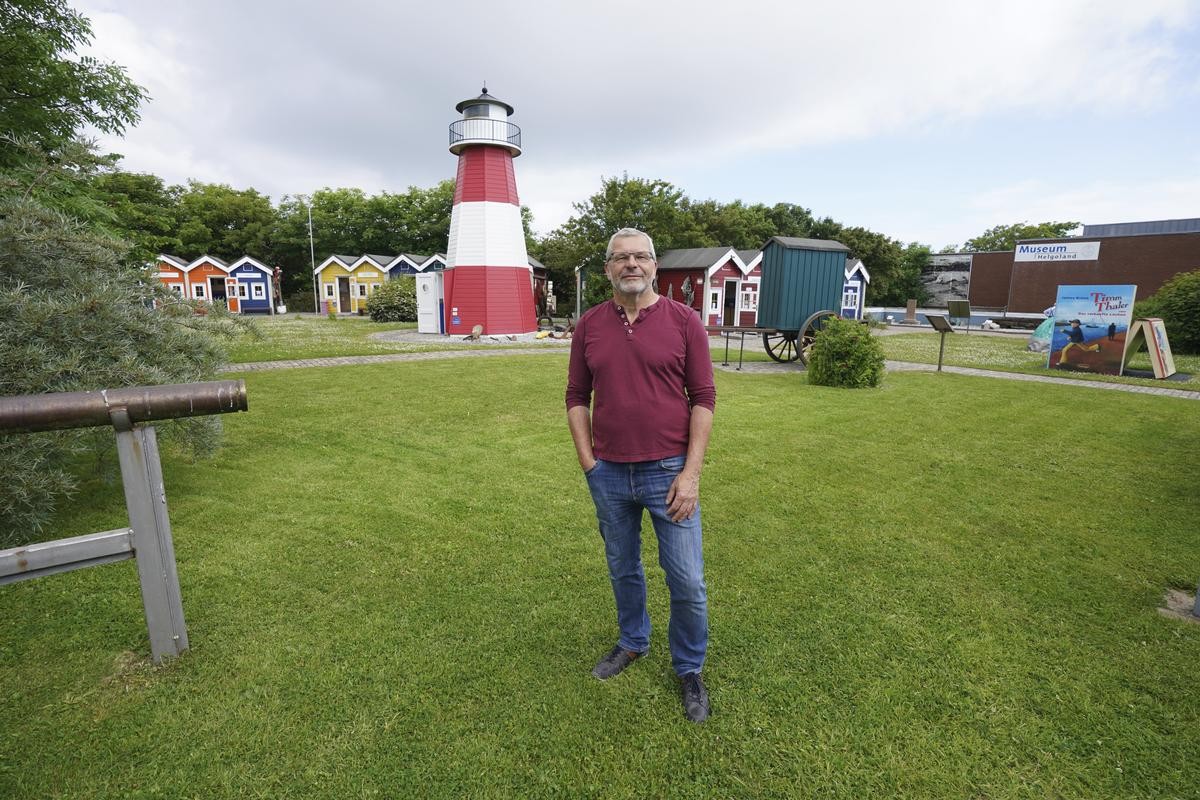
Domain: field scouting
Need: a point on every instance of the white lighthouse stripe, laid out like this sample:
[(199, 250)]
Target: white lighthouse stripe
[(486, 234)]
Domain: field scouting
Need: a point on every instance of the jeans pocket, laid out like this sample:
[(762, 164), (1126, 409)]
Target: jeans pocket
[(674, 464), (590, 472)]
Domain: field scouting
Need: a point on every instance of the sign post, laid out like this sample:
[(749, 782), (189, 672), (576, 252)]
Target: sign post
[(942, 326)]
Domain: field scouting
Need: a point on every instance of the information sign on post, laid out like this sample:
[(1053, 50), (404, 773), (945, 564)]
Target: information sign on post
[(942, 326)]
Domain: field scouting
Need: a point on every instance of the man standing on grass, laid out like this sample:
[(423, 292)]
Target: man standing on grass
[(644, 360)]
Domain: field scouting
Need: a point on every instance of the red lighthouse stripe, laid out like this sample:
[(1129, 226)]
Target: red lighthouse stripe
[(498, 298), (485, 174)]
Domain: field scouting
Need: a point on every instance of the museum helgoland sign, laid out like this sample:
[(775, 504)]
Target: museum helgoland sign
[(1057, 251), (1091, 324)]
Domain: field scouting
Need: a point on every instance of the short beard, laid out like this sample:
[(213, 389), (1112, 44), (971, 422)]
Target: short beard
[(616, 284)]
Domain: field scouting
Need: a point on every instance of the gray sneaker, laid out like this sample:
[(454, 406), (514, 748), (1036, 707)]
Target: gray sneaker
[(614, 663), (695, 697)]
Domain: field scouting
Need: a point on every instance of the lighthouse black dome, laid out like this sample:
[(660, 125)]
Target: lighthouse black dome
[(484, 98)]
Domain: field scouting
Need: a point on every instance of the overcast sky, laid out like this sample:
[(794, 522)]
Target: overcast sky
[(925, 120)]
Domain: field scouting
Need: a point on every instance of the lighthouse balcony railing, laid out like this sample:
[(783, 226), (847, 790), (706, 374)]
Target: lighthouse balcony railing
[(485, 130)]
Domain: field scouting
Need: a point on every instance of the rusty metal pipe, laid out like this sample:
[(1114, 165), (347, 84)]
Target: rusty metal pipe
[(47, 412)]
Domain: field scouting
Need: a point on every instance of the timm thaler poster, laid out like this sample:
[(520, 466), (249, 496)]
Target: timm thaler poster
[(1090, 326)]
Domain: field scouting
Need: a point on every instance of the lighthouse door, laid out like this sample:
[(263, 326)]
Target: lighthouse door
[(429, 297)]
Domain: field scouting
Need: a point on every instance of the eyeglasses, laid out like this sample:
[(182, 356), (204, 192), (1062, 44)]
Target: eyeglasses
[(643, 258)]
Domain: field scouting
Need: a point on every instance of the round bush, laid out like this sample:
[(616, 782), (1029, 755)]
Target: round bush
[(845, 354), (394, 301), (1178, 304)]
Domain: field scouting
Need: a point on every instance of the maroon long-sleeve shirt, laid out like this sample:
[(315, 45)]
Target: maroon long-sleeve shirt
[(645, 378)]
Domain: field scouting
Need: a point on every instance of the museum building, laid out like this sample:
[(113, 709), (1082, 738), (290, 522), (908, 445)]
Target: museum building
[(1026, 280)]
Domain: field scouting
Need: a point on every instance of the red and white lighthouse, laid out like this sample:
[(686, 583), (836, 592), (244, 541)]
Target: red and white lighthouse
[(488, 279)]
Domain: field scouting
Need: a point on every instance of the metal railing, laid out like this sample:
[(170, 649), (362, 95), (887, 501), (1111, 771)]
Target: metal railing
[(148, 537), (482, 129)]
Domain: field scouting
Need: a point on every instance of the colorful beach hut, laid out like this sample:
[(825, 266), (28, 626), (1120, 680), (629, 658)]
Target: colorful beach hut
[(720, 283), (854, 291), (253, 285), (208, 279), (172, 272)]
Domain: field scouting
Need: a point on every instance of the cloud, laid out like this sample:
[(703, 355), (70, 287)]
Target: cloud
[(292, 96), (1095, 202)]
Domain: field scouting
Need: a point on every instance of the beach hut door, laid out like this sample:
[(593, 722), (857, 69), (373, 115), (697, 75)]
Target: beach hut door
[(344, 295), (731, 302), (216, 289)]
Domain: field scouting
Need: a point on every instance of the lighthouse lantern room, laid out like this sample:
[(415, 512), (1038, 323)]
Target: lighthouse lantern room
[(488, 279)]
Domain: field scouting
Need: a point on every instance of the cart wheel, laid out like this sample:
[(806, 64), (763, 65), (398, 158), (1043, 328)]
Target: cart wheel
[(782, 345), (812, 326)]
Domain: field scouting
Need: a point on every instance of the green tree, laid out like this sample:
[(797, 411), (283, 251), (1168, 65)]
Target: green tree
[(415, 221), (143, 212), (1005, 237), (654, 206), (349, 222), (59, 177), (80, 316), (218, 220), (731, 224), (906, 284), (882, 255), (1177, 302), (47, 92), (788, 219)]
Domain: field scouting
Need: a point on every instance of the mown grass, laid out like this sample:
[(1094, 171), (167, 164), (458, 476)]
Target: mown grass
[(1009, 354), (394, 588), (294, 337), (299, 337)]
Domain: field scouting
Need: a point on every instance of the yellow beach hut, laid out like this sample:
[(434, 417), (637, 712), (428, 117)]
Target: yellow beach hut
[(345, 282)]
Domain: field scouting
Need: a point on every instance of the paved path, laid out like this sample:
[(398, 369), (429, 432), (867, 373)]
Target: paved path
[(750, 367), (907, 366)]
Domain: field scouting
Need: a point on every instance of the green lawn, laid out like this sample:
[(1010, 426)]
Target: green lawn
[(1009, 354), (293, 336), (296, 337), (945, 587)]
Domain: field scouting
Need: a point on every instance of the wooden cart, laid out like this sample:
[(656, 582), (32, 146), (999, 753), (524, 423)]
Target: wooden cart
[(802, 282)]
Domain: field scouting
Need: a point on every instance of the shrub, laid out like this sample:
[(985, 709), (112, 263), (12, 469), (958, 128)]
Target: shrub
[(845, 354), (394, 301), (1178, 303), (75, 317), (299, 301)]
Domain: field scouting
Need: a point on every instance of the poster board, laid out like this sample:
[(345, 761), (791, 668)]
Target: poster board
[(1091, 324), (1154, 333), (946, 277)]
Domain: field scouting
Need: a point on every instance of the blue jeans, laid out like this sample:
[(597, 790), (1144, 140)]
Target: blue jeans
[(621, 491)]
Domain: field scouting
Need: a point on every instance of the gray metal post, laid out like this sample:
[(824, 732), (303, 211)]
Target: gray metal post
[(146, 501), (941, 350), (148, 537), (1196, 608)]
